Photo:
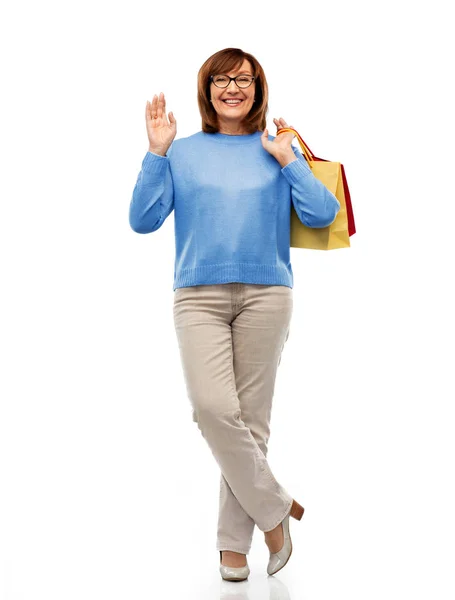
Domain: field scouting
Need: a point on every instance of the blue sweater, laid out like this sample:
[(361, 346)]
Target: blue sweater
[(232, 203)]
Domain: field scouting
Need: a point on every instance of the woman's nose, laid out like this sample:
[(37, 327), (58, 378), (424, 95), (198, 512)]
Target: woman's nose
[(232, 83)]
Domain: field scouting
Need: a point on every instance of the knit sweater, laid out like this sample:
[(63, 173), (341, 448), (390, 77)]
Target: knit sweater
[(232, 207)]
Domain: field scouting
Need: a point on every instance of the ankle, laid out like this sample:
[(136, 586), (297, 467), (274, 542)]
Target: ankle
[(232, 559)]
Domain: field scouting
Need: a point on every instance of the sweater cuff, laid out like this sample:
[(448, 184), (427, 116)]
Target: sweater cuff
[(154, 163), (295, 170)]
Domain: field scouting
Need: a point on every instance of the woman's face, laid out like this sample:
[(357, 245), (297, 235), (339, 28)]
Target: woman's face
[(233, 113)]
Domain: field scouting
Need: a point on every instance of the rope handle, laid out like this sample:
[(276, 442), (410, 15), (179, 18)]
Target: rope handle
[(305, 150)]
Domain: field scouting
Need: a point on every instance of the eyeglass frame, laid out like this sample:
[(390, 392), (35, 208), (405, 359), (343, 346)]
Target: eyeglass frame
[(234, 79)]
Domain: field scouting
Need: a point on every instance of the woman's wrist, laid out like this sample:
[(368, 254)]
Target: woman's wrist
[(156, 151), (285, 158)]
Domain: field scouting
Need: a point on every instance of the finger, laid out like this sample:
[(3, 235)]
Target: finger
[(280, 124), (159, 113), (148, 112), (284, 124), (164, 107), (154, 106)]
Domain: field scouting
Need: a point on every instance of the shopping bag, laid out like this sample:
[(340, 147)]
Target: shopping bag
[(333, 176)]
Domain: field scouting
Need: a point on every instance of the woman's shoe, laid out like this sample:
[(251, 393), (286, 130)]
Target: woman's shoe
[(234, 573), (279, 559)]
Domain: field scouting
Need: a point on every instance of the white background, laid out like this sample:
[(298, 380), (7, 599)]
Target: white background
[(108, 490)]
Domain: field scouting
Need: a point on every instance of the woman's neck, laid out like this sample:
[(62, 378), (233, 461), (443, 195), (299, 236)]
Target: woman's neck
[(234, 129)]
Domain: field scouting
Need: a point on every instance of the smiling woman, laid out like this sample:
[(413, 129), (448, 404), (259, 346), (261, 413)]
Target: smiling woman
[(226, 76), (232, 188)]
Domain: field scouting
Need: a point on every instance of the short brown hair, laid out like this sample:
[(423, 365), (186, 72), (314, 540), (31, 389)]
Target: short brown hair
[(222, 62)]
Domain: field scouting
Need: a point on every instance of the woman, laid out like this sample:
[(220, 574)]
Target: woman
[(232, 186)]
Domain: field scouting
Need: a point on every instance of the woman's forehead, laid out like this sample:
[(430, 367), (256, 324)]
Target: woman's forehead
[(244, 68)]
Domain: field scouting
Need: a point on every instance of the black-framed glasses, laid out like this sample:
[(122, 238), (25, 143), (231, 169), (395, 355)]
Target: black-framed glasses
[(241, 81)]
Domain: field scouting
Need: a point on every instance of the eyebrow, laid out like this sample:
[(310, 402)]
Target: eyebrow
[(242, 72)]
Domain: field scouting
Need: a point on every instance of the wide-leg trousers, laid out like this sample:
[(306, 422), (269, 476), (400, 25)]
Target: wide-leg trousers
[(231, 337)]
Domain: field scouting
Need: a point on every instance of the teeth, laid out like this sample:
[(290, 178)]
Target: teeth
[(232, 101)]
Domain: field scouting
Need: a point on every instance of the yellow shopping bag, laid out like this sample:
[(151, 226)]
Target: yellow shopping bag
[(332, 175)]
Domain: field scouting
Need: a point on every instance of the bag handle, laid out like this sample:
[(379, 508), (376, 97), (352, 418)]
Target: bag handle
[(305, 150)]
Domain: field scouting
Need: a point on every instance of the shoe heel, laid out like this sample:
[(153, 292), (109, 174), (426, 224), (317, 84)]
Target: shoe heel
[(296, 510)]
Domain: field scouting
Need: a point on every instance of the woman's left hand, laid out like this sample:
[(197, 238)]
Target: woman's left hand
[(281, 145)]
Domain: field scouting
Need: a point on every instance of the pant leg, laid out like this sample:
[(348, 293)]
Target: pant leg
[(202, 317), (259, 332)]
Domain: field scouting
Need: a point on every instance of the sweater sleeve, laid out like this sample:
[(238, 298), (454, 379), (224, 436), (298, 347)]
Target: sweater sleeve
[(314, 204), (153, 194)]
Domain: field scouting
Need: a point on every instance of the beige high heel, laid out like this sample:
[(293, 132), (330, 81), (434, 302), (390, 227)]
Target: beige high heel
[(279, 559), (234, 573)]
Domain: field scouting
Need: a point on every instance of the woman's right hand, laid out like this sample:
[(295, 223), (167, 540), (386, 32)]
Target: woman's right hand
[(160, 131)]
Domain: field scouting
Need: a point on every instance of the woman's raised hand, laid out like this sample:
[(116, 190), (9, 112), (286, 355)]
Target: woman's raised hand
[(160, 131)]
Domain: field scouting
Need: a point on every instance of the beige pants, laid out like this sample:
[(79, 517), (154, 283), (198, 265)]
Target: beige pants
[(231, 336)]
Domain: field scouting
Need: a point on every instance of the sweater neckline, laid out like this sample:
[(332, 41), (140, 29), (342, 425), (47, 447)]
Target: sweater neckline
[(226, 138)]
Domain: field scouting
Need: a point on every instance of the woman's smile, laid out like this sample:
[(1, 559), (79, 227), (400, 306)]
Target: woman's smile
[(233, 102)]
